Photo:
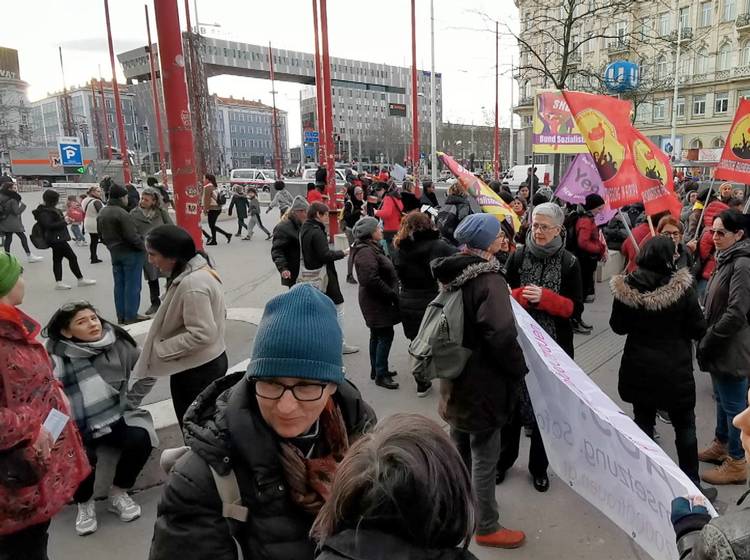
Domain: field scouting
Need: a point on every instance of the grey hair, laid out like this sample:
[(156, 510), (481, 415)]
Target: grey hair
[(551, 210)]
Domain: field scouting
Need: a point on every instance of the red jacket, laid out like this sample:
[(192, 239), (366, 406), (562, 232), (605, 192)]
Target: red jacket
[(390, 212), (706, 248), (28, 391), (588, 237), (314, 195), (642, 233)]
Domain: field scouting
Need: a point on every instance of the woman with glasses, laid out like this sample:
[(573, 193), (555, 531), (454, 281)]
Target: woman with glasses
[(546, 280), (186, 338), (672, 228), (94, 359), (724, 351), (281, 429)]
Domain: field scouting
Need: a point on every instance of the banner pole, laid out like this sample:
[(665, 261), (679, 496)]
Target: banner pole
[(708, 197), (624, 221), (651, 225)]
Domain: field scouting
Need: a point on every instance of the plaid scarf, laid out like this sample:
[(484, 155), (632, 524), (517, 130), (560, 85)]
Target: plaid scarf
[(486, 255)]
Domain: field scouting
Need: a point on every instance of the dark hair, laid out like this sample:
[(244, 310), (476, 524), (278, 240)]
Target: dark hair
[(212, 179), (62, 318), (173, 242), (506, 196), (735, 202), (657, 255), (404, 478), (521, 200), (427, 183), (411, 224), (50, 197), (734, 221), (315, 209), (495, 186), (310, 187), (152, 181), (279, 185)]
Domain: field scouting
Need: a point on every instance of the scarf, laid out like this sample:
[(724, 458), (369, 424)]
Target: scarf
[(95, 404), (543, 251), (542, 266), (310, 479), (486, 255)]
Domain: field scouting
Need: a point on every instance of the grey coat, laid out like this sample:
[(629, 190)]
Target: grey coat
[(725, 350), (144, 224), (13, 208)]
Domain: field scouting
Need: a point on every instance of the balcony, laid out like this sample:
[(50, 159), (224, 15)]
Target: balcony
[(741, 71), (574, 58), (687, 35), (525, 102), (618, 46), (742, 23)]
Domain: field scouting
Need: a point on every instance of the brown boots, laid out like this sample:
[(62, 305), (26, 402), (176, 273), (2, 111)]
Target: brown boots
[(731, 471), (714, 453)]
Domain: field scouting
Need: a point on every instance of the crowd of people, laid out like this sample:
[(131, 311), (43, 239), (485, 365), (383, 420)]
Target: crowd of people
[(286, 459)]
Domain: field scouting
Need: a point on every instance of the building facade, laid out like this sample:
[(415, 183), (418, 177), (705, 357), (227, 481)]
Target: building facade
[(15, 111)]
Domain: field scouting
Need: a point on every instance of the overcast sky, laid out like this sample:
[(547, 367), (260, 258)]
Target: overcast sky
[(370, 30)]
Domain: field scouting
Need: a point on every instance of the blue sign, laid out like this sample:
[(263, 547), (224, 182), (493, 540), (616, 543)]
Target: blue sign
[(71, 154), (309, 151), (622, 75), (312, 136)]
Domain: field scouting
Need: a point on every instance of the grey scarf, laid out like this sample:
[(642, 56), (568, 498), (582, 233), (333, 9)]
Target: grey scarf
[(542, 252)]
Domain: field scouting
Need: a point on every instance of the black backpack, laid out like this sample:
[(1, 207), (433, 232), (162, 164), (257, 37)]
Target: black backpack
[(569, 225), (221, 197), (447, 220), (38, 238)]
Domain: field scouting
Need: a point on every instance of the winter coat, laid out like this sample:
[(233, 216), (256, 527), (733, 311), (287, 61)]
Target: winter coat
[(240, 203), (660, 319), (484, 395), (144, 223), (320, 176), (429, 199), (283, 199), (353, 211), (641, 233), (722, 538), (285, 250), (374, 544), (53, 224), (91, 208), (12, 207), (391, 212), (615, 233), (706, 247), (188, 329), (725, 350), (210, 199), (410, 202), (561, 306), (253, 206), (317, 253), (714, 208), (589, 241), (412, 260), (118, 230), (314, 195), (28, 391), (134, 197), (225, 430), (378, 285)]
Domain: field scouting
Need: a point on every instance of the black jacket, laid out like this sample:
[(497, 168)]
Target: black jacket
[(53, 224), (134, 197), (368, 544), (317, 253), (353, 211), (285, 248), (660, 318), (412, 260), (117, 228), (430, 199), (378, 285), (241, 204), (484, 395), (411, 202), (461, 209), (224, 429)]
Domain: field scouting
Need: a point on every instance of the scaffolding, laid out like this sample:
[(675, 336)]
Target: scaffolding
[(202, 107)]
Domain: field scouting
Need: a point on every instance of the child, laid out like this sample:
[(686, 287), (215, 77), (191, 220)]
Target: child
[(254, 209), (74, 216)]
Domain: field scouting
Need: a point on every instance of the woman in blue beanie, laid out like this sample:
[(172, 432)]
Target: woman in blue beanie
[(282, 429)]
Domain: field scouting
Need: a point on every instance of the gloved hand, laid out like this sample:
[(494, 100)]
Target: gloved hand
[(689, 514)]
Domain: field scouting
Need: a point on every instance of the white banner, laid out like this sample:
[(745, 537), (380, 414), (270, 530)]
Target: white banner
[(597, 449)]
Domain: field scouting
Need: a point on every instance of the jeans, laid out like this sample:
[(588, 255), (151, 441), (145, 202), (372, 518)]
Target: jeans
[(62, 251), (29, 543), (93, 246), (381, 340), (24, 242), (479, 451), (77, 233), (127, 269), (256, 221), (213, 216), (135, 444), (685, 440), (187, 385), (511, 441), (240, 225), (731, 399)]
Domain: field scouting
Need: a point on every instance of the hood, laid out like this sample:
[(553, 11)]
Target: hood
[(654, 300), (16, 325), (739, 249), (370, 544), (715, 208), (41, 209), (419, 243), (454, 271)]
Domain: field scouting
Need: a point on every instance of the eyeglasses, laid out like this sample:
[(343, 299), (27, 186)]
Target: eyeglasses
[(71, 305), (720, 233), (304, 392), (672, 234), (544, 228)]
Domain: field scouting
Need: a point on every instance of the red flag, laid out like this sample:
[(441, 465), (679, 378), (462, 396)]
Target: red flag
[(735, 160), (631, 167)]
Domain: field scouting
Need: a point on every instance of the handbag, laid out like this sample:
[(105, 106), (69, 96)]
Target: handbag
[(16, 469), (316, 277)]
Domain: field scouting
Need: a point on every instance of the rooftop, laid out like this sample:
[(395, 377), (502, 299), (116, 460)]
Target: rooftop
[(248, 103)]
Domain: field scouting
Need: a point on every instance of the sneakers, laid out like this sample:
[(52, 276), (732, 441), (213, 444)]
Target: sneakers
[(247, 238), (85, 282), (346, 349), (62, 286), (714, 453), (124, 506), (423, 389), (579, 328), (153, 309), (591, 298), (86, 519), (731, 471), (663, 415), (31, 258), (504, 538)]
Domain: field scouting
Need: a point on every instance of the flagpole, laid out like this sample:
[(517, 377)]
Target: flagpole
[(624, 221), (705, 204), (651, 225)]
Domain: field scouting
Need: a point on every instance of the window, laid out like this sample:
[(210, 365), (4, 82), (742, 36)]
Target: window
[(699, 105), (721, 102), (680, 106), (684, 17), (621, 30), (664, 24), (745, 54), (660, 109), (661, 67), (730, 7), (707, 12), (718, 143), (701, 62), (696, 143), (743, 94), (724, 59)]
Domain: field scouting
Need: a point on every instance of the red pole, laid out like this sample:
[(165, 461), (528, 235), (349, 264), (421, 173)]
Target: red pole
[(276, 142), (118, 105), (330, 153), (319, 89), (415, 159), (186, 189), (157, 105), (496, 158), (106, 121)]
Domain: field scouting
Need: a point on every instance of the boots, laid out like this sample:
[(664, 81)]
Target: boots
[(731, 471), (503, 538), (714, 453)]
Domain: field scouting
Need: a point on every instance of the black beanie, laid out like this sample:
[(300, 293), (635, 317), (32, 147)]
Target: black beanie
[(117, 191), (593, 201)]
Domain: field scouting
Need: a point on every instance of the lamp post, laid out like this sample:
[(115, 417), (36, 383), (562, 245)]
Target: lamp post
[(433, 101)]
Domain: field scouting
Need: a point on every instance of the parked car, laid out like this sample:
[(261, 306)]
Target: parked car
[(519, 173), (261, 179), (308, 176)]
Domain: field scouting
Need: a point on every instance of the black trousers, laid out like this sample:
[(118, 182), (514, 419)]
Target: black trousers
[(588, 269), (213, 216), (9, 238), (135, 444), (153, 292), (510, 440), (62, 251), (93, 246), (187, 385), (29, 543)]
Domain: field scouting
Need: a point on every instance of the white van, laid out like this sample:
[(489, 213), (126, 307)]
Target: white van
[(308, 176), (519, 173), (261, 179)]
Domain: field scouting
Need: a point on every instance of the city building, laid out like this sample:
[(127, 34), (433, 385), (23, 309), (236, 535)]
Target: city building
[(714, 64), (245, 133), (462, 140), (15, 118)]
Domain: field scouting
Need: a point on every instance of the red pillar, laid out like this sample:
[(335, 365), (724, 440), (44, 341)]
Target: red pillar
[(496, 157), (186, 188), (118, 104), (328, 113), (276, 140), (415, 159), (157, 105), (319, 90)]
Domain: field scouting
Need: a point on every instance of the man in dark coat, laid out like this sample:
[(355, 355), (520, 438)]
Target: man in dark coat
[(241, 204), (479, 402), (134, 197), (281, 436), (285, 250), (428, 194)]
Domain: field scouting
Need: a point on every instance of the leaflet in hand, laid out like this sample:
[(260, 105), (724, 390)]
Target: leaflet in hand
[(55, 423)]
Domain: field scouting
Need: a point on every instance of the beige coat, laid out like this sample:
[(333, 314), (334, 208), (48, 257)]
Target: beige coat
[(188, 329)]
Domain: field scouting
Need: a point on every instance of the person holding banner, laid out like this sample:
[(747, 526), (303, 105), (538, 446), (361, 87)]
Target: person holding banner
[(546, 280)]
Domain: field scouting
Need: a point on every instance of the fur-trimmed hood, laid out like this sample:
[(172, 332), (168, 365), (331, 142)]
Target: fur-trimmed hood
[(454, 271), (656, 300)]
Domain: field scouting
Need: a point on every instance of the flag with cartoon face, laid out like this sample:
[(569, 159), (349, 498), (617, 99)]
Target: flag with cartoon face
[(735, 159)]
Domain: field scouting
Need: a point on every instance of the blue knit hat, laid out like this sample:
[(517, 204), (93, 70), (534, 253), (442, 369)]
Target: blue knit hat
[(298, 337), (477, 231)]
